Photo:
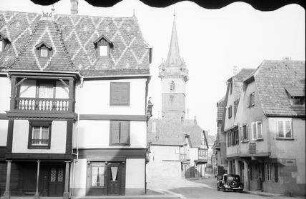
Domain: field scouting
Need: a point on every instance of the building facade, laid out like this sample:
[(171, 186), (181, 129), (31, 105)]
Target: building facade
[(268, 150), (219, 147), (73, 105)]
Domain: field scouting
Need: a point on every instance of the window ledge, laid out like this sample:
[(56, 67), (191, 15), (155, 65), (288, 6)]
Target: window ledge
[(244, 141), (259, 139), (284, 138)]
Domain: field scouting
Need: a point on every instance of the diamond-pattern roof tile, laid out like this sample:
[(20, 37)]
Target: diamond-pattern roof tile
[(77, 33)]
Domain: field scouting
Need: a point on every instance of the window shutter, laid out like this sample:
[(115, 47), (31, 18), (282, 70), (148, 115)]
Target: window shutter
[(119, 93), (114, 131), (125, 132)]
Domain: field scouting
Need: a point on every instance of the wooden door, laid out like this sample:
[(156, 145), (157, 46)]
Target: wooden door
[(115, 180), (56, 180), (96, 183)]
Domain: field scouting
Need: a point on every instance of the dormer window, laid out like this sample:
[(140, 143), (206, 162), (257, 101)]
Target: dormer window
[(296, 93), (3, 42), (103, 45), (103, 51), (43, 50)]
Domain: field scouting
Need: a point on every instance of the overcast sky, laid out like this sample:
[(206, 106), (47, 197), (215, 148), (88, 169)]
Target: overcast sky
[(211, 42)]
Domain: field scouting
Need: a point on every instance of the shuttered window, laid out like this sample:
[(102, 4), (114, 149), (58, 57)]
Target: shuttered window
[(120, 93), (119, 132)]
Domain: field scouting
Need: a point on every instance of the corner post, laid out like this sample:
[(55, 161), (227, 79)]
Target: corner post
[(13, 92), (7, 194), (246, 175), (36, 196), (66, 194)]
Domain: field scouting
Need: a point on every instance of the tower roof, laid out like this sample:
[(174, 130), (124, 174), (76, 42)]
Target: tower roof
[(174, 58)]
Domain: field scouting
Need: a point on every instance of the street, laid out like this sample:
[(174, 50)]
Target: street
[(201, 188)]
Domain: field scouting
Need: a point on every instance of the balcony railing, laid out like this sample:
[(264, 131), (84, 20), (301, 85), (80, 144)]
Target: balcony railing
[(43, 104)]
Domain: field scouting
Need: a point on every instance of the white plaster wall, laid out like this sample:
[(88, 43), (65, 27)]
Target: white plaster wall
[(193, 154), (21, 136), (28, 88), (95, 134), (79, 176), (135, 173), (180, 85), (160, 153), (3, 132), (5, 94), (94, 98)]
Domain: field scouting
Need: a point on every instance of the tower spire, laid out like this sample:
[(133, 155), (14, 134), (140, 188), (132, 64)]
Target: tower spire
[(174, 58)]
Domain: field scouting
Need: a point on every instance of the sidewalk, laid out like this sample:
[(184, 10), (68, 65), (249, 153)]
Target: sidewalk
[(275, 195), (150, 194)]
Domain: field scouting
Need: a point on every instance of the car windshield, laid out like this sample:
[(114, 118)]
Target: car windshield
[(231, 178)]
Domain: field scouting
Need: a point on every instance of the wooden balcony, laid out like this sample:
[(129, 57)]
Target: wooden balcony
[(54, 105)]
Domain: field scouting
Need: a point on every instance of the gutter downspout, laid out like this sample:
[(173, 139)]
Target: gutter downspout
[(77, 138)]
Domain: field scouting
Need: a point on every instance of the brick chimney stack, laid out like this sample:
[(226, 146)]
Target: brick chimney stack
[(74, 7)]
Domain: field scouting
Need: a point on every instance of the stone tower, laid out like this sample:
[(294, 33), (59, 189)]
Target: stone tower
[(174, 76)]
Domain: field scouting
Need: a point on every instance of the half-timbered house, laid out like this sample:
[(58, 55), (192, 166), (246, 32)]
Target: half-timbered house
[(72, 105)]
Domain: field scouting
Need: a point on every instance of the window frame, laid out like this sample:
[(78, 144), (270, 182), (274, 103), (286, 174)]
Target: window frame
[(43, 46), (97, 164), (111, 133), (37, 123), (245, 133), (111, 103), (256, 130), (284, 129)]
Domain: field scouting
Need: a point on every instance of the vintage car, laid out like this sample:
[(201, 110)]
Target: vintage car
[(229, 182)]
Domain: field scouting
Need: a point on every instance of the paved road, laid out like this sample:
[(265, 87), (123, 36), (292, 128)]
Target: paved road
[(201, 189)]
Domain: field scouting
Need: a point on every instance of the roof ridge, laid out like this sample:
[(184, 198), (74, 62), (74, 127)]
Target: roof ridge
[(63, 45)]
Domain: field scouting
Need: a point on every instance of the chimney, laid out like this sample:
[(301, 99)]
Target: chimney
[(74, 7)]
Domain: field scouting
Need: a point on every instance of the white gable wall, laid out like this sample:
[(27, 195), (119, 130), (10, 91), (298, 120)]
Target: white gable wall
[(94, 98)]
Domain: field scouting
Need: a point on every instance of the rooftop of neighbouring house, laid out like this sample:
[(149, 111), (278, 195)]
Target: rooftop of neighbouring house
[(172, 133), (72, 37), (277, 81)]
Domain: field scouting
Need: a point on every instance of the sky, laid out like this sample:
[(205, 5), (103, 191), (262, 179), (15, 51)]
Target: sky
[(212, 43)]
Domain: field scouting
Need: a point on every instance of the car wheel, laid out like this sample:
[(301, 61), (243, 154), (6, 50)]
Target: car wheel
[(218, 189), (241, 191)]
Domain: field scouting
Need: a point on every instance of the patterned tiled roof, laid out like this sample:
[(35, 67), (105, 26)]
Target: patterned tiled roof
[(272, 78), (78, 33), (45, 32)]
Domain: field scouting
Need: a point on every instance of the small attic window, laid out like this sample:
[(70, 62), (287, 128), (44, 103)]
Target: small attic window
[(43, 50), (102, 46), (296, 94), (3, 42), (103, 51)]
